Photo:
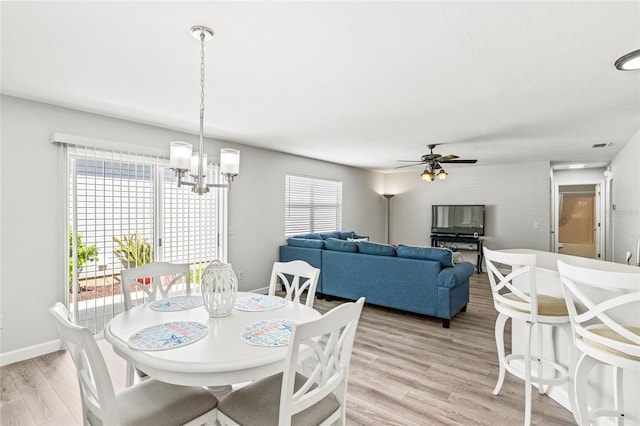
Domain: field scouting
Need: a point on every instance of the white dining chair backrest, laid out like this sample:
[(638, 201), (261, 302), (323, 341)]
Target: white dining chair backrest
[(595, 300), (154, 281), (288, 397), (297, 277), (96, 389), (519, 301), (331, 339), (149, 402)]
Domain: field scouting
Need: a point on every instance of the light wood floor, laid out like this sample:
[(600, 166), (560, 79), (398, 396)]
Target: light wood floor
[(405, 370)]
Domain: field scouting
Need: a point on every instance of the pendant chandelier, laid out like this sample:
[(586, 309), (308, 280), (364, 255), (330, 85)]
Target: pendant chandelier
[(182, 159)]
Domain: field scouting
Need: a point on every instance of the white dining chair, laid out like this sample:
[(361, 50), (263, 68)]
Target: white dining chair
[(297, 277), (515, 296), (290, 398), (594, 300), (149, 402), (154, 281), (151, 282)]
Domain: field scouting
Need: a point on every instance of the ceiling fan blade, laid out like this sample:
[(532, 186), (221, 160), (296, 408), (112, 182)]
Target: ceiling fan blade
[(447, 157), (408, 161), (459, 161), (409, 165)]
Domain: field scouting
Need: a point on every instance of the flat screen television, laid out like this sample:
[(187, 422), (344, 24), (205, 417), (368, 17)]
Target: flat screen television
[(457, 219)]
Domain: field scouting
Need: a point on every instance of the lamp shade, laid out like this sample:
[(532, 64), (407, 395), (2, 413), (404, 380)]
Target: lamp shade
[(180, 155), (428, 176), (194, 165), (229, 161)]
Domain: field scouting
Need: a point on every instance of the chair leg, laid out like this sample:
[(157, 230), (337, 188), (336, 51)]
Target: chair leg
[(581, 387), (539, 356), (618, 399), (527, 373), (573, 360), (501, 321), (131, 374)]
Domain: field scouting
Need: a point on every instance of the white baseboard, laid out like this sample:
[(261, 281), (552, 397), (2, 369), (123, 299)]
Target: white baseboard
[(29, 352)]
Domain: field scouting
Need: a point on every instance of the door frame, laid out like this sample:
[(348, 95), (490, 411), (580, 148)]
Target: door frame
[(600, 210)]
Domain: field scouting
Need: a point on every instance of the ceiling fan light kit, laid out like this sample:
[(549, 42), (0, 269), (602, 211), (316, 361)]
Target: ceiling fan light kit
[(433, 167), (629, 62)]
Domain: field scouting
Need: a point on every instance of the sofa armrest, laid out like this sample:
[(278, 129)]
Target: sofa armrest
[(455, 275)]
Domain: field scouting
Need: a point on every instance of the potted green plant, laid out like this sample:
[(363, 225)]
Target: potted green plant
[(134, 250), (85, 254)]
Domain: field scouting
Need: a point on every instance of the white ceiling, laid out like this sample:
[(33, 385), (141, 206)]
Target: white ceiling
[(359, 83)]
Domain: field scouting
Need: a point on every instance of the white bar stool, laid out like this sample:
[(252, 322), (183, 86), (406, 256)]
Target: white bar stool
[(532, 309), (594, 298)]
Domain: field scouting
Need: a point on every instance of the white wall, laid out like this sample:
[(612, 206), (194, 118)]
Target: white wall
[(516, 197), (32, 211), (625, 169)]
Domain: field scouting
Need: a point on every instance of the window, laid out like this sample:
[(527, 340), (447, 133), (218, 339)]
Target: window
[(312, 205), (119, 199)]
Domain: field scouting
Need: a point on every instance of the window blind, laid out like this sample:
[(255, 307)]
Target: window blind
[(312, 205), (116, 194)]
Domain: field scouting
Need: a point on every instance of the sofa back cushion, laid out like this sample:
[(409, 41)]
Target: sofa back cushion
[(309, 236), (442, 255), (327, 235), (336, 244), (376, 248), (305, 242)]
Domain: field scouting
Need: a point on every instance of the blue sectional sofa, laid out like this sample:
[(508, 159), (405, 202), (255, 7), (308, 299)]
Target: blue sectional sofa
[(422, 280)]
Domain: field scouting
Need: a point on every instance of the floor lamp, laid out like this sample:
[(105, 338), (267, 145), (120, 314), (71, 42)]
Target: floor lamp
[(388, 197)]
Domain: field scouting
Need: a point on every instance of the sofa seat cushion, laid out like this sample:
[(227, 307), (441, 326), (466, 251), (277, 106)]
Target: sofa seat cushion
[(304, 242), (376, 248), (336, 244), (442, 255)]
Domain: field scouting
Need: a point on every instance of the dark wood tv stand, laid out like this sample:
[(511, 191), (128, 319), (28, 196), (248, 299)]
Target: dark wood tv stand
[(468, 242)]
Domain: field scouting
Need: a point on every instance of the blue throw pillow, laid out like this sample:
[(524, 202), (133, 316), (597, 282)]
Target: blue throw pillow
[(309, 236), (327, 235), (376, 248), (442, 255), (305, 242), (345, 235), (341, 245)]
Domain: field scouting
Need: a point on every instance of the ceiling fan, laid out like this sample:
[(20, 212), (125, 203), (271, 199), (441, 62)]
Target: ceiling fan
[(433, 168)]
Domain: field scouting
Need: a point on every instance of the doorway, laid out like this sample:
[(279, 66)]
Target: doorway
[(578, 220)]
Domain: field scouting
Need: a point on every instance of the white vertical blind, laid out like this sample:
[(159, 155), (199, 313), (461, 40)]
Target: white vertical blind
[(120, 194), (312, 205)]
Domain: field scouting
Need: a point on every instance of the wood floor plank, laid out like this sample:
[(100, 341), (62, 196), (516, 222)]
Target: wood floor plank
[(16, 413), (38, 394), (63, 379)]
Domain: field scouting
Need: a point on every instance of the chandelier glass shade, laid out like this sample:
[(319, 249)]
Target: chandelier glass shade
[(183, 161)]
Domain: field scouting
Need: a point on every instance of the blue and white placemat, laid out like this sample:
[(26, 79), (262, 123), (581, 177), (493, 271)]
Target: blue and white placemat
[(180, 303), (259, 303), (167, 336), (268, 333)]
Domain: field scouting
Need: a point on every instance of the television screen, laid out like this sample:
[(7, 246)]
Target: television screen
[(457, 219)]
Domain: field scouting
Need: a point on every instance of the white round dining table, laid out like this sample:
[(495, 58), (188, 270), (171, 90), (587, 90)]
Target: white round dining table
[(221, 357)]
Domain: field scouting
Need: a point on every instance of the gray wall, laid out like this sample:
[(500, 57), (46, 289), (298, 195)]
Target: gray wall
[(516, 197), (32, 210), (625, 170)]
